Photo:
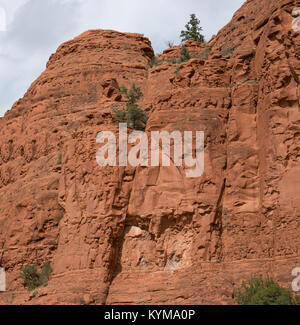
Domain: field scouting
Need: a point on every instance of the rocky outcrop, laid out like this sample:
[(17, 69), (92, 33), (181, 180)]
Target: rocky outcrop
[(124, 235)]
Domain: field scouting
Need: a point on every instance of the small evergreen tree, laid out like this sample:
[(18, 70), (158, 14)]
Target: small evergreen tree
[(33, 279), (133, 94), (30, 276), (120, 116), (185, 55), (134, 116), (45, 274), (192, 32)]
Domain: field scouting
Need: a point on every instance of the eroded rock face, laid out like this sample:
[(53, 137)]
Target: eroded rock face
[(120, 235)]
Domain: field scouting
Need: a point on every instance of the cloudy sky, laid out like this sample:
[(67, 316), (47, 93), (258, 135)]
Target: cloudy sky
[(35, 28)]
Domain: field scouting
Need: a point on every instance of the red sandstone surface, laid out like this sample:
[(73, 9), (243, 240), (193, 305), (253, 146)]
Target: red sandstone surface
[(119, 235)]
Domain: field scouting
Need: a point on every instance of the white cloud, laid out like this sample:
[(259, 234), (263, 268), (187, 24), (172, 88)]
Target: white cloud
[(37, 27)]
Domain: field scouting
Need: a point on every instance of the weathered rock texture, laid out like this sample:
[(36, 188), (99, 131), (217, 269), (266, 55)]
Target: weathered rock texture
[(119, 235)]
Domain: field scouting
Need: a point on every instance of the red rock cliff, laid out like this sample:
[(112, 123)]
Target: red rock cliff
[(150, 235)]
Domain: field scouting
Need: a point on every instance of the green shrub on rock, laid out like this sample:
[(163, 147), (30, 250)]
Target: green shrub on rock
[(263, 292)]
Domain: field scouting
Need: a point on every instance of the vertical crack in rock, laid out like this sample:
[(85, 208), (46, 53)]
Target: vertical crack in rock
[(216, 227)]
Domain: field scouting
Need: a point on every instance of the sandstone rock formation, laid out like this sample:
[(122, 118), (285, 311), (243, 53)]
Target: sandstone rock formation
[(119, 235)]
